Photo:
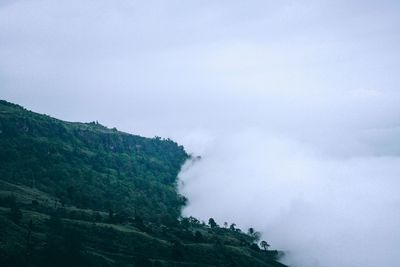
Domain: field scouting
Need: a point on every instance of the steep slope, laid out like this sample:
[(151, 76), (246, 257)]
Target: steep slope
[(89, 165), (80, 194)]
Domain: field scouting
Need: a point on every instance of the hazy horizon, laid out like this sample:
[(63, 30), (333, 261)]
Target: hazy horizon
[(293, 106)]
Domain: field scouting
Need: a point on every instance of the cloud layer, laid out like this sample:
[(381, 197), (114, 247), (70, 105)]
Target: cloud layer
[(323, 211), (293, 106)]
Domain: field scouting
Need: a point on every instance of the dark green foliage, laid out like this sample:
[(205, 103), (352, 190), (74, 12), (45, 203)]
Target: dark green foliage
[(15, 213), (177, 250), (255, 247), (63, 248), (75, 194), (89, 165), (212, 223), (250, 231), (8, 201), (142, 261), (264, 244), (198, 236)]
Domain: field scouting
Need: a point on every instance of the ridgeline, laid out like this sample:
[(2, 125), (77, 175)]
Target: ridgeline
[(81, 194)]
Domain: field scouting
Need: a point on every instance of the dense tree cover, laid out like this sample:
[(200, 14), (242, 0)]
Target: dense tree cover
[(76, 194), (89, 165)]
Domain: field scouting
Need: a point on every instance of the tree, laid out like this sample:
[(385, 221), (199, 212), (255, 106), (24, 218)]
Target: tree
[(250, 231), (232, 227), (212, 223), (264, 245), (255, 235), (194, 221)]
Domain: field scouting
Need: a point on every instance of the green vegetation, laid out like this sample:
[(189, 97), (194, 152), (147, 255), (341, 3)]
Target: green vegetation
[(81, 194)]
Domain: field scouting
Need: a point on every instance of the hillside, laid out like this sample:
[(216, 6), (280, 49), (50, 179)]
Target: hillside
[(85, 195)]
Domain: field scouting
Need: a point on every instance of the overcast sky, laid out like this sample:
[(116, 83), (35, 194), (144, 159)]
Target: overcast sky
[(294, 106)]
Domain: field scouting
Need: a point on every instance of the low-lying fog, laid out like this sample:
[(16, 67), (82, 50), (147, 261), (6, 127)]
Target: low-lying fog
[(294, 106)]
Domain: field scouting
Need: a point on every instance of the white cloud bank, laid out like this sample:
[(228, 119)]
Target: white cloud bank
[(293, 106), (324, 211)]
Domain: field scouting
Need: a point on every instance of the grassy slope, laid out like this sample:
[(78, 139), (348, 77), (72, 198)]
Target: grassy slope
[(89, 165), (121, 212)]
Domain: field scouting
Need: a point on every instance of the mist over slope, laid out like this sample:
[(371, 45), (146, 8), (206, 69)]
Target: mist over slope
[(292, 105), (323, 211), (318, 177), (82, 194)]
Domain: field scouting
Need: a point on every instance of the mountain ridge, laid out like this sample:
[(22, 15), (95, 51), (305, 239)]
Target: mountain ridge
[(82, 194)]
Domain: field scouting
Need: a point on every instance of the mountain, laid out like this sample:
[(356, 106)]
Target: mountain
[(81, 194)]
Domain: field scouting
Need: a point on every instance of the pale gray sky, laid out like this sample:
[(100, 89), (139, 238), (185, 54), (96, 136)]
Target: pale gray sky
[(294, 105)]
